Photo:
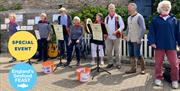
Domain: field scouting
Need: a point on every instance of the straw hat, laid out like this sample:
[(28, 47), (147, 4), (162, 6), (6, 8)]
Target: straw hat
[(43, 14), (62, 9)]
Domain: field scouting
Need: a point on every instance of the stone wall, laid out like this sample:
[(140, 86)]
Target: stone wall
[(53, 4)]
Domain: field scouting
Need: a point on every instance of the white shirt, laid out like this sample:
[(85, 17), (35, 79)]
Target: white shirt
[(111, 26), (166, 17)]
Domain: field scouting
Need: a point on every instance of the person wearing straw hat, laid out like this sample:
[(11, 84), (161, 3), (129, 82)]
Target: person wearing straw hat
[(135, 32), (163, 36), (44, 31), (65, 20), (75, 38), (12, 29)]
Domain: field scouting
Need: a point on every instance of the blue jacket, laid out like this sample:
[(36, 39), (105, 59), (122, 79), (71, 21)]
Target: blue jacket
[(165, 34)]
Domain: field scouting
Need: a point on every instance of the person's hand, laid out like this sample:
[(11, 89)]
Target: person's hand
[(105, 36), (139, 42), (114, 33), (77, 41), (49, 38), (125, 38), (178, 49), (69, 42), (68, 30), (153, 45)]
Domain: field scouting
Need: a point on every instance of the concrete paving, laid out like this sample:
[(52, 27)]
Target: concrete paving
[(64, 79)]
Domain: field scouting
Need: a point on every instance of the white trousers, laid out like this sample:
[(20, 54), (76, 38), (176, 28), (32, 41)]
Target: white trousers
[(94, 49)]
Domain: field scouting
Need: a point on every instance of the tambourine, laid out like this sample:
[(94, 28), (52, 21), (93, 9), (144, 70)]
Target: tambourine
[(118, 34)]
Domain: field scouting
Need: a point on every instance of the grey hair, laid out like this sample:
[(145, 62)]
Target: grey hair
[(112, 5), (159, 8), (76, 18), (134, 5)]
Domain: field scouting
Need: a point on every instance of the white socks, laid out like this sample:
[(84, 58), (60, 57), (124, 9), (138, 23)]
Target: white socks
[(101, 61)]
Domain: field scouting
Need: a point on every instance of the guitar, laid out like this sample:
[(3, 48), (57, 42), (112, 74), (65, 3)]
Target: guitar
[(52, 50)]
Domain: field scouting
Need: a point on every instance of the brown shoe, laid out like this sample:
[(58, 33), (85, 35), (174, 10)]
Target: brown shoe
[(133, 66), (142, 63)]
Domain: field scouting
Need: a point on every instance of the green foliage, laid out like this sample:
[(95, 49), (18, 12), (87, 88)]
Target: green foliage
[(90, 12), (178, 16), (15, 6), (3, 9), (18, 6), (123, 11)]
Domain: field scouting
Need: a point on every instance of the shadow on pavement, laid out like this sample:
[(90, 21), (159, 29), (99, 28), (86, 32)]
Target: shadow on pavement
[(68, 83)]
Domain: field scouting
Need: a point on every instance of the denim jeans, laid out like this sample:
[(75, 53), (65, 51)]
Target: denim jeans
[(134, 49)]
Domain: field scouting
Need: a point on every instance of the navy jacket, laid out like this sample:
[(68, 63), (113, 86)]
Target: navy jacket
[(164, 33), (12, 28)]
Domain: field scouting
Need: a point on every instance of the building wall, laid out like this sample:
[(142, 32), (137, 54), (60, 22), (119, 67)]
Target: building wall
[(144, 7)]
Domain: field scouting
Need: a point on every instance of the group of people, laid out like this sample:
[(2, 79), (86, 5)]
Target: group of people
[(163, 36)]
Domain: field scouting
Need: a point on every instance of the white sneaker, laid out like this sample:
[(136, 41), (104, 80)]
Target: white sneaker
[(102, 62), (93, 63), (158, 82), (175, 84)]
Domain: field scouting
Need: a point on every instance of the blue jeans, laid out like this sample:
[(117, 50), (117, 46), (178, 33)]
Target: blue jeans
[(134, 49), (70, 50), (61, 45)]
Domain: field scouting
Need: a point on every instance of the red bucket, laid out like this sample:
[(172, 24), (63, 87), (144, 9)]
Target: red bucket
[(83, 74), (48, 67)]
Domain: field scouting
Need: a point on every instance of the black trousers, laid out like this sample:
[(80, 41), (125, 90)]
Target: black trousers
[(70, 50), (43, 49)]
